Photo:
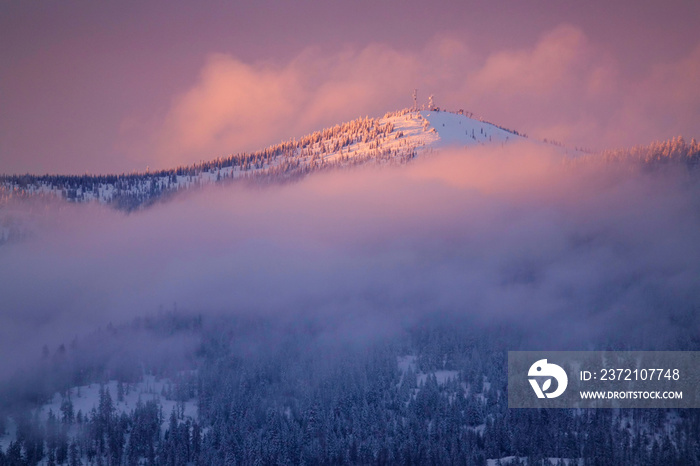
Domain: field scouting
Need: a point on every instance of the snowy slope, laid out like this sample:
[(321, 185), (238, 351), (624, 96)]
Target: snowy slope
[(458, 130), (396, 138), (85, 400)]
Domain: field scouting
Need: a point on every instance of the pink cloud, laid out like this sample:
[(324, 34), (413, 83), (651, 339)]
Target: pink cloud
[(553, 63), (238, 106), (564, 87), (666, 103), (560, 88), (232, 105)]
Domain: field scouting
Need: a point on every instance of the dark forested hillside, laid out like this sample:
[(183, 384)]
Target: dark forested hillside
[(269, 393)]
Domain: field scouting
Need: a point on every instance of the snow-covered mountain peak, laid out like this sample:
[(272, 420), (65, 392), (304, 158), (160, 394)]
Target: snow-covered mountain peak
[(436, 129), (395, 138)]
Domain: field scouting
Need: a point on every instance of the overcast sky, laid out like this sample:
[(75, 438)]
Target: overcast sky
[(119, 86)]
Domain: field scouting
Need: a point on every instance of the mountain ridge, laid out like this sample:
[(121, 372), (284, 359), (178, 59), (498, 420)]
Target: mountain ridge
[(396, 138)]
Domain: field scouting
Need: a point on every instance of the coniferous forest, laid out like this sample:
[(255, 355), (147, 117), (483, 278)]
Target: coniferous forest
[(271, 393)]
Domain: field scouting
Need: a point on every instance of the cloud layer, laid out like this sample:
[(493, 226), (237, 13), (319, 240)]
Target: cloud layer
[(574, 256)]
